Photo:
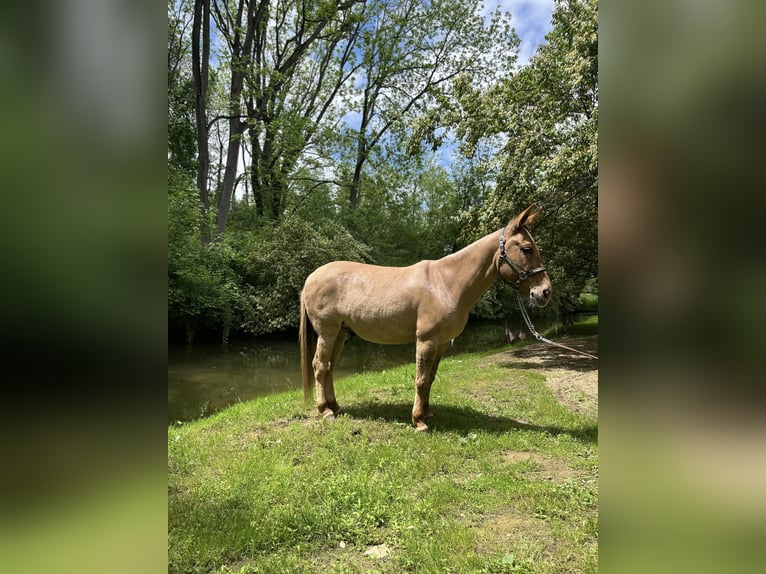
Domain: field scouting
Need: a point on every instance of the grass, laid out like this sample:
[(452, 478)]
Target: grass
[(588, 302), (582, 328), (505, 482)]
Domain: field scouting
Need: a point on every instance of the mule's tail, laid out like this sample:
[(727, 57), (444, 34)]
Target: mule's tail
[(308, 343)]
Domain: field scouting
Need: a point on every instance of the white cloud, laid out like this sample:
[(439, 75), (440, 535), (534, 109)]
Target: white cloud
[(530, 18), (352, 119)]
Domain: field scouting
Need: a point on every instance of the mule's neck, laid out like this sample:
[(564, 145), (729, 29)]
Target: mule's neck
[(471, 271)]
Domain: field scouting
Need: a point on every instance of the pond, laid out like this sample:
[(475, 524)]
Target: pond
[(205, 378)]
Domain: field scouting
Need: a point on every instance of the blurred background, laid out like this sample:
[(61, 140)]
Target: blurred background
[(682, 277), (83, 234)]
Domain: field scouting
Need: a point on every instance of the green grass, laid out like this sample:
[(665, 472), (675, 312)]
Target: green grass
[(588, 302), (506, 481), (585, 327)]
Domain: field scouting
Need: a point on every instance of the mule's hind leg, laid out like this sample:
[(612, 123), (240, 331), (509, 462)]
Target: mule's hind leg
[(329, 389), (324, 361)]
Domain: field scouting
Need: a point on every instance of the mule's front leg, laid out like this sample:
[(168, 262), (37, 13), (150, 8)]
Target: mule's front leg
[(425, 356)]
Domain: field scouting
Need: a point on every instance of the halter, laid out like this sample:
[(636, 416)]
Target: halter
[(522, 274)]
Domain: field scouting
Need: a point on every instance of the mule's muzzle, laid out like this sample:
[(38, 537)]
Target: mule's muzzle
[(540, 295)]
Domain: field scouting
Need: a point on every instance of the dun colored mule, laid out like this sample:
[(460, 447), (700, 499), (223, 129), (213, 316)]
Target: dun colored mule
[(426, 303)]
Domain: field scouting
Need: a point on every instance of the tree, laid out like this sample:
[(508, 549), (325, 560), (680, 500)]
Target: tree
[(277, 261), (295, 91), (237, 24), (204, 292), (181, 129), (200, 66), (411, 50), (288, 62), (547, 112), (552, 151)]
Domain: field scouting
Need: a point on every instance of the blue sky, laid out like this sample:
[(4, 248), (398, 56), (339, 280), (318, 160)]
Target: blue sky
[(530, 18)]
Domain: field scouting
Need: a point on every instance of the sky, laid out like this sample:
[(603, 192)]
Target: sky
[(530, 18)]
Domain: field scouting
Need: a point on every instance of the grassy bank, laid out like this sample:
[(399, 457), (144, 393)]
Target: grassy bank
[(505, 482)]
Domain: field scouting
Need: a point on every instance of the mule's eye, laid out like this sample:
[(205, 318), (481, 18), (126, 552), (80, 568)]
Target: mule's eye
[(526, 250)]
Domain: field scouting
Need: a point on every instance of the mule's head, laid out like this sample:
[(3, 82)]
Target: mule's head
[(519, 262)]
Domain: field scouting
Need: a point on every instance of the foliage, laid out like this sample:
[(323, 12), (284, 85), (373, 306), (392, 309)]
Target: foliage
[(410, 52), (547, 114), (552, 153), (204, 293), (276, 262), (551, 119), (407, 212), (181, 135), (286, 65)]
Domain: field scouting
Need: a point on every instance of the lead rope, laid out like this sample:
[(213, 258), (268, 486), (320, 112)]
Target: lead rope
[(538, 336)]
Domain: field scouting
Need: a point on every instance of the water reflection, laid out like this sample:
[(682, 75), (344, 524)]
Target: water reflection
[(205, 378)]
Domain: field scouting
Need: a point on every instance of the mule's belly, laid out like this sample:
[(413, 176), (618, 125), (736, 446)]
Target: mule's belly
[(383, 333), (387, 322), (390, 329)]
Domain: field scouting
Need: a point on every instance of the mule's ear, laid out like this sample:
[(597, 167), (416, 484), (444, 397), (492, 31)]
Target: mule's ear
[(529, 222), (526, 218)]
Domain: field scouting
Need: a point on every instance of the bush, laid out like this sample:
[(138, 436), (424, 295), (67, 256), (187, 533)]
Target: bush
[(276, 262), (204, 293)]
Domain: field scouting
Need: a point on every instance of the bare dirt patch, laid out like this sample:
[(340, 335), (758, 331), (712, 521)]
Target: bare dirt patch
[(551, 468), (350, 558), (572, 378), (509, 528)]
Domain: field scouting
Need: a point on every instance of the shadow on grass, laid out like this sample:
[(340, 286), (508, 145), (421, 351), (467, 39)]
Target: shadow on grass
[(536, 356), (448, 418)]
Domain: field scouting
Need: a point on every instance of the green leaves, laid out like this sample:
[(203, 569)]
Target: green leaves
[(203, 290), (339, 129), (275, 265), (547, 112)]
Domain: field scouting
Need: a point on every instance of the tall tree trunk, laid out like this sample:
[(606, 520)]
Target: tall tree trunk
[(356, 178), (240, 59), (267, 165), (256, 178), (362, 145), (236, 129), (200, 67)]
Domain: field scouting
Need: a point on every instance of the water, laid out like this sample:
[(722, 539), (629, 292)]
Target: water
[(205, 378)]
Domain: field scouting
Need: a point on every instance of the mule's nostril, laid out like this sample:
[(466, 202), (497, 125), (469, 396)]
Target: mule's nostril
[(546, 292)]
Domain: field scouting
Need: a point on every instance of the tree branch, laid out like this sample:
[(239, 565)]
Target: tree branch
[(224, 117)]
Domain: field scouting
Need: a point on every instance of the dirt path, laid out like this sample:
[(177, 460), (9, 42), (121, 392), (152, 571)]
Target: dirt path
[(572, 378)]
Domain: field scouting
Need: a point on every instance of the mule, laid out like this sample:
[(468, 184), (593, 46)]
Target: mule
[(426, 303)]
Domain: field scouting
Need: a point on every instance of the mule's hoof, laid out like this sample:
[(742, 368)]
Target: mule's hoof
[(420, 426), (328, 415)]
